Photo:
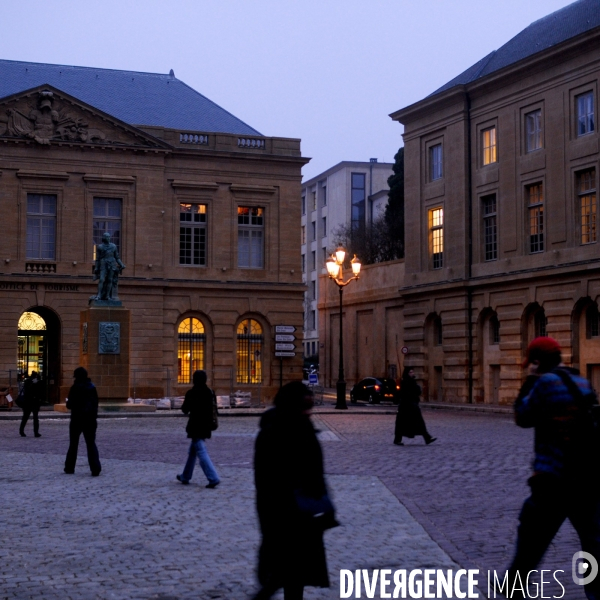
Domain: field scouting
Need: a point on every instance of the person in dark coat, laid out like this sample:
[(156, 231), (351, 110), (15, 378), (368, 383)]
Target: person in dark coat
[(288, 472), (31, 403), (83, 404), (409, 420), (198, 404)]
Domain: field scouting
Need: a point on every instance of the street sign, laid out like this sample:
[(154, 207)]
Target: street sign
[(285, 347), (284, 329), (404, 350), (313, 379), (285, 354), (285, 338)]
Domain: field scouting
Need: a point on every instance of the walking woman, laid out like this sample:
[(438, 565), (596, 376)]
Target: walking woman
[(409, 420), (291, 497)]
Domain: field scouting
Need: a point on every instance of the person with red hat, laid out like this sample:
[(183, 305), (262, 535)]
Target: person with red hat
[(557, 402)]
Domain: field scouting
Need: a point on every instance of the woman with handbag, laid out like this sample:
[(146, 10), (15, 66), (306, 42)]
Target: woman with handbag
[(293, 506)]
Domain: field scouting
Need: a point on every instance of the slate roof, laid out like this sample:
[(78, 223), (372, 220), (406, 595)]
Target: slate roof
[(133, 97), (557, 27)]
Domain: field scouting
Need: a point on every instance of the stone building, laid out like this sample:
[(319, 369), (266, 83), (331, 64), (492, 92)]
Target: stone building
[(501, 230), (203, 208), (502, 245), (347, 193)]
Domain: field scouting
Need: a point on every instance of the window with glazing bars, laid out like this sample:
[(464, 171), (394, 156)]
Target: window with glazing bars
[(41, 227), (191, 341), (250, 237), (586, 193), (533, 125), (490, 233), (249, 350), (435, 162), (494, 330), (488, 145), (540, 322), (585, 113), (192, 234), (592, 321), (436, 228), (535, 217), (107, 219)]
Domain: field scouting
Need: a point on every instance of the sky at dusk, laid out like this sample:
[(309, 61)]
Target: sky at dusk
[(326, 71)]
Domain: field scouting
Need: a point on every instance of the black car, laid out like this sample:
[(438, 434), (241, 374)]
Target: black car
[(374, 390)]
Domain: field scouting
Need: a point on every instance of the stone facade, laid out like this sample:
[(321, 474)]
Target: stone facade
[(501, 230), (54, 146)]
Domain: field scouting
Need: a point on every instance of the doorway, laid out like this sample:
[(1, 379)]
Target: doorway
[(38, 349)]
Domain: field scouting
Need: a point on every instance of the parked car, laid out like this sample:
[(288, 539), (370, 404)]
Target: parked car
[(374, 390)]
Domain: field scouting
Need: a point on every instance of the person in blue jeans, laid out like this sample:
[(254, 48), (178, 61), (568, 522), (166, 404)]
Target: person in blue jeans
[(198, 404)]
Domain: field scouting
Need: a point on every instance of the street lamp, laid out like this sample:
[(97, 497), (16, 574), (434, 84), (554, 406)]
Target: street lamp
[(335, 272)]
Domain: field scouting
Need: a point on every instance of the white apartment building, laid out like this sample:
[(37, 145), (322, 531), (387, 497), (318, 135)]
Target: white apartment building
[(349, 192)]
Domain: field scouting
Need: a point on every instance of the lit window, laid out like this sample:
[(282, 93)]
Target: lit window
[(41, 227), (192, 234), (250, 237), (191, 341), (436, 228), (249, 351), (490, 233), (535, 220), (533, 125), (488, 144), (585, 113), (435, 162), (586, 192)]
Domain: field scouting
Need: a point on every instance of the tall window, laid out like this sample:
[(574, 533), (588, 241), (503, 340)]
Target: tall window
[(303, 234), (314, 199), (313, 227), (324, 224), (585, 113), (436, 232), (191, 341), (358, 200), (304, 263), (494, 330), (303, 205), (488, 146), (250, 237), (435, 162), (586, 193), (249, 351), (313, 262), (192, 234), (592, 318), (107, 219), (490, 233), (313, 288), (533, 126), (324, 194), (41, 227), (540, 323), (535, 217), (313, 321)]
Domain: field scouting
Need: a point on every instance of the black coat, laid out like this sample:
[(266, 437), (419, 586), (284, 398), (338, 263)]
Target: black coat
[(288, 461), (198, 404), (83, 400), (32, 394), (409, 421)]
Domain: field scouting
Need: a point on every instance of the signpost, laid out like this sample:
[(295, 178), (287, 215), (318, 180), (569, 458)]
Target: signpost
[(284, 345), (313, 379)]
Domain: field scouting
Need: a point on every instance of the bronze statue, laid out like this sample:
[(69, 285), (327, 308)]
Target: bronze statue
[(107, 269)]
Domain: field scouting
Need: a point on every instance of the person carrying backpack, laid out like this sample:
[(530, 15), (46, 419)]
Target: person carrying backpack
[(558, 403), (83, 404)]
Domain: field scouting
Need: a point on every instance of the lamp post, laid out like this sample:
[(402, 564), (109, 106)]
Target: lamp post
[(335, 272)]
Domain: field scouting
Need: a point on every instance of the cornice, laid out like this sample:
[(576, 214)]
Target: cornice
[(42, 174), (109, 178), (252, 189), (195, 185)]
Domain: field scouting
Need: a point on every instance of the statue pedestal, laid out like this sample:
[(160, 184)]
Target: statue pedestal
[(105, 333)]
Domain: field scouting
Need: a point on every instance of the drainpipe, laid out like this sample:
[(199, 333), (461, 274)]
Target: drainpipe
[(470, 250)]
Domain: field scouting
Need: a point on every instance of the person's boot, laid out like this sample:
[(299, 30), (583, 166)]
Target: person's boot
[(22, 433), (429, 439)]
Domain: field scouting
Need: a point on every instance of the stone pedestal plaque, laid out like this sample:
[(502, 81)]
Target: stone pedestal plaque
[(105, 333)]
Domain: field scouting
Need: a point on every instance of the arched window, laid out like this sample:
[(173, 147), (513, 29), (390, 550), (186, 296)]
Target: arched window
[(191, 341), (249, 351), (540, 322), (438, 336), (592, 318), (494, 330)]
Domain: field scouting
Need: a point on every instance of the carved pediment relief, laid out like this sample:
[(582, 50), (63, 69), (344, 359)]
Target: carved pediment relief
[(46, 115)]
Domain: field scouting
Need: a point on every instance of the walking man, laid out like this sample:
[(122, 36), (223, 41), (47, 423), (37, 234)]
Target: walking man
[(198, 404), (83, 404), (31, 403), (556, 401)]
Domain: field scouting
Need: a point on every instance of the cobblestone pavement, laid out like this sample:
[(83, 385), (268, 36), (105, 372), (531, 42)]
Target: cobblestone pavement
[(135, 532)]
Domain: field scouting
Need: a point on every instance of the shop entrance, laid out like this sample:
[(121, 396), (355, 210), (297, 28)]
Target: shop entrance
[(39, 350)]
